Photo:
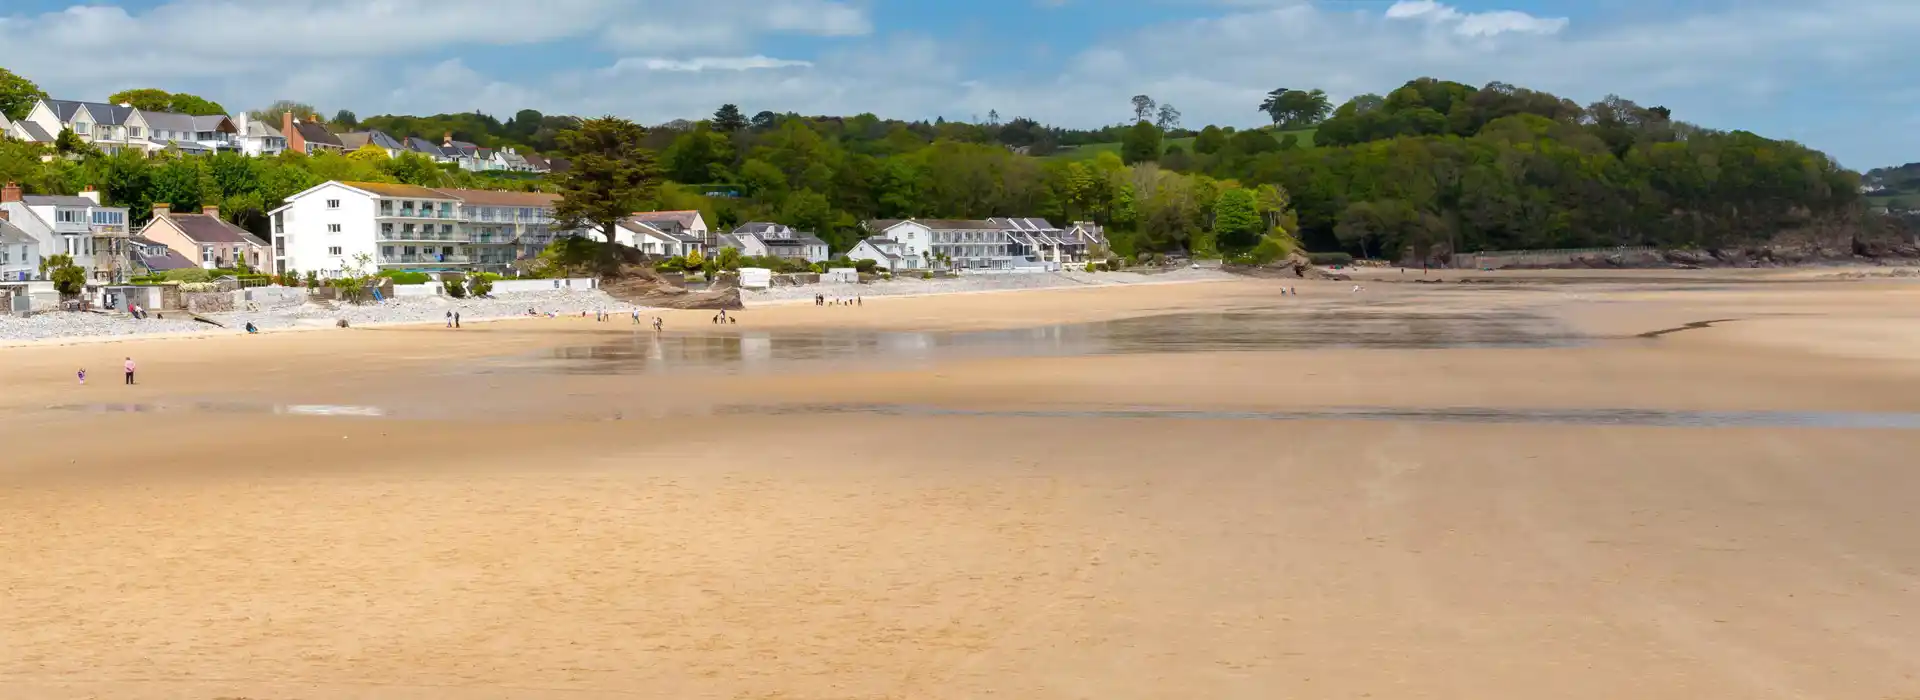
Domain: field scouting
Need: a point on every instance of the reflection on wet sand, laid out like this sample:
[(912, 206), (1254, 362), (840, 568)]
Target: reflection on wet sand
[(751, 350)]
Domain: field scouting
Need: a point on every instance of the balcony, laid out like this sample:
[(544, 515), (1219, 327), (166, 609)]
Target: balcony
[(423, 259), (455, 237), (406, 213)]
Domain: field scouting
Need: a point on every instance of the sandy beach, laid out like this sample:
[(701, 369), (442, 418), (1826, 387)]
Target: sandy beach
[(1693, 486)]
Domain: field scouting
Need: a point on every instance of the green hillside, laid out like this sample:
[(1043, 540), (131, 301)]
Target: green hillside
[(1091, 150)]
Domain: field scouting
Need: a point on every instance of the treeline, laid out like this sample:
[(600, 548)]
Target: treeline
[(1436, 166), (244, 188)]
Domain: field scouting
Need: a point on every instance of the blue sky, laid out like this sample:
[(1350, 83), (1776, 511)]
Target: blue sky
[(1824, 72)]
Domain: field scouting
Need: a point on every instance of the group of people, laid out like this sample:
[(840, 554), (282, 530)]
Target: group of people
[(821, 300), (723, 318), (453, 319), (129, 368)]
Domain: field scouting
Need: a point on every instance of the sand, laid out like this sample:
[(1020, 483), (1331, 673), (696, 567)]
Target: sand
[(559, 553)]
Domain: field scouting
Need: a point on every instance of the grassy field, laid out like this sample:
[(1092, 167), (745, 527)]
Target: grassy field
[(1092, 150), (1902, 201)]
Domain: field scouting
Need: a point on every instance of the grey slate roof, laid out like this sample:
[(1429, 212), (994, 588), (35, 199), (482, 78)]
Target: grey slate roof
[(12, 235), (56, 200), (208, 229), (423, 146), (167, 260), (103, 113), (35, 132), (376, 137)]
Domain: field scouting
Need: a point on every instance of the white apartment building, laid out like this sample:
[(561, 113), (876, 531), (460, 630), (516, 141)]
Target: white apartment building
[(327, 228), (75, 225), (989, 244), (19, 252)]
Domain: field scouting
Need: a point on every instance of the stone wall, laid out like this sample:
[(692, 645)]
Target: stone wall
[(207, 302)]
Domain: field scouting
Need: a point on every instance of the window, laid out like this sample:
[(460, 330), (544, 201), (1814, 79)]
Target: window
[(446, 229), (386, 251), (334, 251), (110, 217), (133, 131), (333, 228), (67, 216), (206, 253), (333, 204), (386, 229)]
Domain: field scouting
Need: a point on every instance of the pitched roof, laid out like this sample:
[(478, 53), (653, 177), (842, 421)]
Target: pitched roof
[(256, 127), (958, 224), (201, 228), (34, 131), (317, 133), (757, 227), (537, 161), (683, 217), (56, 200), (168, 259), (420, 145), (502, 198), (390, 189), (103, 113), (12, 235), (878, 225), (799, 238), (376, 137), (172, 121)]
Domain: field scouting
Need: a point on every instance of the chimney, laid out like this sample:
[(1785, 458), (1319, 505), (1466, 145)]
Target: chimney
[(447, 140), (91, 194), (212, 210), (10, 193), (295, 142), (5, 215), (161, 210)]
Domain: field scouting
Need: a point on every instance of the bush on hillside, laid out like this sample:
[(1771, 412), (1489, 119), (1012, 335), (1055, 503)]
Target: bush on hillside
[(1330, 258)]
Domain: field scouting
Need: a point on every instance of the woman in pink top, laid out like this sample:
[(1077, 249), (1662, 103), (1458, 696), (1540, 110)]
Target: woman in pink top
[(129, 370)]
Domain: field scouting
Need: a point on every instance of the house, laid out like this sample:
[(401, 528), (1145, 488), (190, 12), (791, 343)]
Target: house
[(97, 123), (761, 238), (989, 244), (76, 225), (29, 132), (309, 136), (660, 237), (206, 238), (353, 141), (258, 138), (512, 161), (687, 221), (326, 228), (886, 253), (537, 163), (152, 257), (1085, 241), (428, 149), (19, 252), (159, 131)]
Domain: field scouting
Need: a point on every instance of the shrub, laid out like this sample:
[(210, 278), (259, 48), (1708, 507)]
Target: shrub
[(1090, 267), (455, 287), (865, 266), (406, 277), (1330, 258), (188, 274), (199, 287), (926, 275), (481, 284)]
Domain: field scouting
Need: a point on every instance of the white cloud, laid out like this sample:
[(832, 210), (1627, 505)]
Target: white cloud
[(1475, 24), (706, 63)]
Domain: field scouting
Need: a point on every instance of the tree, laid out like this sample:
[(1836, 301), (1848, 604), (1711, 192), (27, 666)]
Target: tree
[(1236, 221), (1210, 140), (69, 143), (18, 95), (370, 154), (68, 279), (1143, 107), (1168, 118), (1142, 144), (346, 119), (272, 113), (1296, 109), (612, 176), (728, 119), (144, 99), (765, 120), (993, 117)]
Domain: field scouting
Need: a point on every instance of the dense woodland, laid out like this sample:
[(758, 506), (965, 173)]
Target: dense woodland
[(1430, 167)]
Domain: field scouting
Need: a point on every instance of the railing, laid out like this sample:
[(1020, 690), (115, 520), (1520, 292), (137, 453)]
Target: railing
[(403, 259), (422, 236), (418, 214)]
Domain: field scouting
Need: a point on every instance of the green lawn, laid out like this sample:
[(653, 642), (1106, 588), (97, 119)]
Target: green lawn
[(1092, 150), (1902, 201)]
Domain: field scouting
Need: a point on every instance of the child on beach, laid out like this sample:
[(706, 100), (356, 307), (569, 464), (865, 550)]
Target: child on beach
[(83, 376), (129, 371)]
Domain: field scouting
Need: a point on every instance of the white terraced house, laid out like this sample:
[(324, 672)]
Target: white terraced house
[(989, 244), (75, 225), (98, 123), (407, 227), (160, 131)]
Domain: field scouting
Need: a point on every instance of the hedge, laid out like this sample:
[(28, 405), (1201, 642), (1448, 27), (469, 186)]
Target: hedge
[(1330, 258)]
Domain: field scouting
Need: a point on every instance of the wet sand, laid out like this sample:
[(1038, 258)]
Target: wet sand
[(511, 531)]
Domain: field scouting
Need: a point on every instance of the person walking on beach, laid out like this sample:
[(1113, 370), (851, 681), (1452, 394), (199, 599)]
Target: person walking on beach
[(636, 317), (456, 319), (656, 324), (83, 376), (449, 318), (129, 371)]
